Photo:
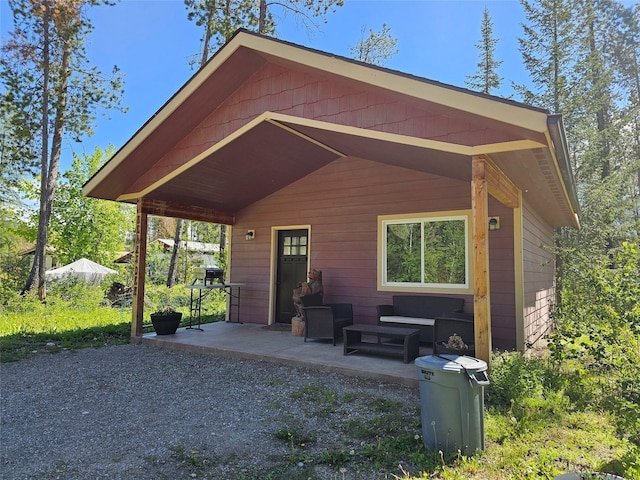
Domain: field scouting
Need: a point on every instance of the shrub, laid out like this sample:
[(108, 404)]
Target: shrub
[(13, 276), (514, 378), (598, 333), (74, 293)]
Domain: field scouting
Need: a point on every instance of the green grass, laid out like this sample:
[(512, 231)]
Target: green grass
[(25, 344)]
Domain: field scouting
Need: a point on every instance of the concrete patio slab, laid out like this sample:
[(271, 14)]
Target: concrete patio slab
[(263, 343)]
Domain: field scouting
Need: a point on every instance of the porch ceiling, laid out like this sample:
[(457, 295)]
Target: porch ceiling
[(255, 164), (269, 154), (393, 150), (276, 150), (528, 164)]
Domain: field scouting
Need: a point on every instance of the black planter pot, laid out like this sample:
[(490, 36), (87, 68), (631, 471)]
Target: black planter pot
[(444, 350), (166, 323)]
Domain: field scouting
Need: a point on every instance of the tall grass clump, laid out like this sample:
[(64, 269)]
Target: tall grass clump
[(74, 315), (70, 304), (515, 378)]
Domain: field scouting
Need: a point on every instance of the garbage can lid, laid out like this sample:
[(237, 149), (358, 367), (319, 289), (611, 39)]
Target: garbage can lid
[(452, 363)]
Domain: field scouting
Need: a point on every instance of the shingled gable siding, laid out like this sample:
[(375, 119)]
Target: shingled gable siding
[(539, 276), (342, 202), (326, 98)]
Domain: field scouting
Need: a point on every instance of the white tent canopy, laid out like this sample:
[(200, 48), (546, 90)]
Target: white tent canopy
[(82, 269)]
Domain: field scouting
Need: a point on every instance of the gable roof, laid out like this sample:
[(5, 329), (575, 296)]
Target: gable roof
[(527, 143)]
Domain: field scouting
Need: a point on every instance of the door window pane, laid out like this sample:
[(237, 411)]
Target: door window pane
[(294, 245), (286, 248)]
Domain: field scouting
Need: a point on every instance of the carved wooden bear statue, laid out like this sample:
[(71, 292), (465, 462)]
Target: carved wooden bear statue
[(311, 287)]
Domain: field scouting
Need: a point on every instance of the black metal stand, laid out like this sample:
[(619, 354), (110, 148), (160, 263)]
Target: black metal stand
[(228, 289), (232, 290), (195, 310)]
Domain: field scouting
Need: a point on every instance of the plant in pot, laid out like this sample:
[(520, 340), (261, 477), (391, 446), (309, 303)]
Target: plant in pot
[(455, 345), (166, 320)]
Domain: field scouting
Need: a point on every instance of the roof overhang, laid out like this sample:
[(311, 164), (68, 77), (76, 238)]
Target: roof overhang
[(273, 150)]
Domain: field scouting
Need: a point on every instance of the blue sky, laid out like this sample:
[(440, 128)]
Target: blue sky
[(151, 41)]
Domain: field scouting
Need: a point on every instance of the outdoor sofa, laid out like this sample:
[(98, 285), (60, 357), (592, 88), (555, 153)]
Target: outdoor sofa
[(418, 311)]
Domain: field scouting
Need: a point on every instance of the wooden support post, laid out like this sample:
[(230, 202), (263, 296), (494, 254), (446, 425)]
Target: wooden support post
[(140, 250), (480, 228)]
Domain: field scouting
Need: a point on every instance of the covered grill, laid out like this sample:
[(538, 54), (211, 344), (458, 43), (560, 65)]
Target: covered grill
[(213, 275)]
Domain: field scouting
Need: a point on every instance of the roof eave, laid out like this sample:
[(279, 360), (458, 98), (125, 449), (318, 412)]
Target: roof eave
[(561, 152)]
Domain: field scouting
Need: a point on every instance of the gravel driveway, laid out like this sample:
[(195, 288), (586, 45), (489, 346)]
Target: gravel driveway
[(139, 412)]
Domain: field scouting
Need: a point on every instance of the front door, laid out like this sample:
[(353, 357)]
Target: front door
[(292, 269)]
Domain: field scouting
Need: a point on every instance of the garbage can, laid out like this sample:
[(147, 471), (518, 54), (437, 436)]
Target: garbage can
[(452, 402)]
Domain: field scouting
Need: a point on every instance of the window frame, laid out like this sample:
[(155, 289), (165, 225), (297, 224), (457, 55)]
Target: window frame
[(421, 217)]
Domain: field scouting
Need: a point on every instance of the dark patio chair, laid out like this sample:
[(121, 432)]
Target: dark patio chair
[(327, 321), (448, 324), (311, 300)]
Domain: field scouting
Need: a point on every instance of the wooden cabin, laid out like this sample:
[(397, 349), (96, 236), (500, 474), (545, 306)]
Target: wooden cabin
[(388, 183)]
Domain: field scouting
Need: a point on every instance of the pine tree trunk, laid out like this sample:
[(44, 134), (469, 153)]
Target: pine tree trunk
[(50, 169), (262, 20), (173, 265), (36, 276), (207, 39)]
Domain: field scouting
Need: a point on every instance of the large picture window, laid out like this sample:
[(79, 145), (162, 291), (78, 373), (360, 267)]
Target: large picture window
[(425, 251)]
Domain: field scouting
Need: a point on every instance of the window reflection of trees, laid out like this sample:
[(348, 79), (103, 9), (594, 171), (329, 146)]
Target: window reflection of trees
[(427, 251)]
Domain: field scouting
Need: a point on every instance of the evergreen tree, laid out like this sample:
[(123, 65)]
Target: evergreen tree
[(50, 92), (306, 11), (486, 78), (377, 48), (219, 19), (546, 50), (627, 61), (605, 162), (582, 58), (14, 146)]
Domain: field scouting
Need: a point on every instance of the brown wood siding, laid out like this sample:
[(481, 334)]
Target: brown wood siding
[(342, 202), (539, 276), (277, 89)]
